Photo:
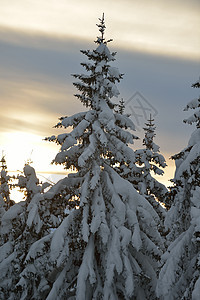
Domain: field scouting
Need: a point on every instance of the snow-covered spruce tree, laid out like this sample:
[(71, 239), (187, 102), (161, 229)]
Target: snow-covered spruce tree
[(29, 183), (39, 271), (22, 225), (180, 274), (150, 160), (109, 246), (4, 190), (5, 184)]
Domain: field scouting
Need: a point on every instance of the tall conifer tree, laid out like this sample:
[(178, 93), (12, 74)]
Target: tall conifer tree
[(180, 275), (108, 247)]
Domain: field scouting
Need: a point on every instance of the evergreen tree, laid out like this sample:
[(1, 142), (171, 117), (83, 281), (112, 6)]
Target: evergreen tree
[(150, 160), (108, 247), (5, 184), (29, 183), (52, 211), (22, 225), (120, 107), (180, 275)]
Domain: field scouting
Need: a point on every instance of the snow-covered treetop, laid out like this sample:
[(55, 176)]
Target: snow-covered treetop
[(100, 83), (30, 182), (5, 184), (187, 161), (150, 160), (149, 135), (121, 107), (4, 178), (102, 28), (151, 154), (3, 165), (97, 134), (3, 175), (194, 104)]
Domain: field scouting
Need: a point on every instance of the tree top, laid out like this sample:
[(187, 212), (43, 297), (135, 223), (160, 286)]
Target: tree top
[(3, 162), (102, 27)]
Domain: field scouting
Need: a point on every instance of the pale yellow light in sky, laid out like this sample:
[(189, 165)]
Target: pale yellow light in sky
[(164, 27), (168, 172), (20, 147)]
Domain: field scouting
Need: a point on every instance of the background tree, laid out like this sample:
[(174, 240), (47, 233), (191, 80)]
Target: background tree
[(150, 161), (39, 273), (22, 225), (180, 275), (5, 184), (120, 107)]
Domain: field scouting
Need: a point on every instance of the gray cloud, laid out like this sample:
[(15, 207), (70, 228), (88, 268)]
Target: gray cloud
[(35, 82)]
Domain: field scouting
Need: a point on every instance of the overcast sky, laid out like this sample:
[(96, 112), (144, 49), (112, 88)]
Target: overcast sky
[(158, 46)]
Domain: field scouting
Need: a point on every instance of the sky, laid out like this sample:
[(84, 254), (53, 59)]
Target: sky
[(157, 44)]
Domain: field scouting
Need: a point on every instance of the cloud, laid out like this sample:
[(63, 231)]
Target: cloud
[(166, 27), (36, 84), (31, 106)]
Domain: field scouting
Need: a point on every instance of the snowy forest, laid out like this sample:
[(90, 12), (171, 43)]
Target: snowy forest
[(108, 230)]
